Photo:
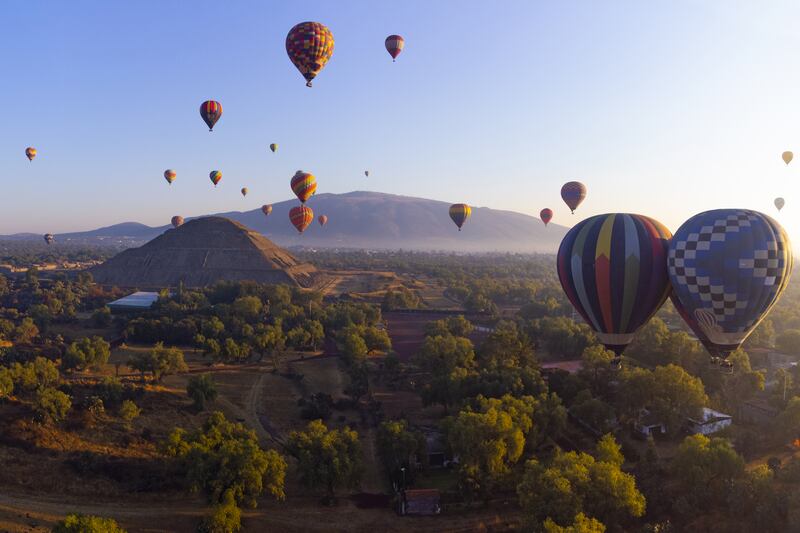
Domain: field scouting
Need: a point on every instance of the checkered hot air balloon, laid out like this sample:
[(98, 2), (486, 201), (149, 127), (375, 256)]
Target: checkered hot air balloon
[(459, 213), (394, 45), (210, 111), (310, 46), (170, 175), (177, 221), (304, 185), (215, 176), (728, 267), (573, 193), (613, 269), (546, 215), (301, 216)]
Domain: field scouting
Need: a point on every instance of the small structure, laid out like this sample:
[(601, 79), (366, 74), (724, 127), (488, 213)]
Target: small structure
[(710, 421), (138, 301), (649, 425), (420, 502)]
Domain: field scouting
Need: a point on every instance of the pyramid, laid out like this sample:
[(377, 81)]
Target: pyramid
[(202, 252)]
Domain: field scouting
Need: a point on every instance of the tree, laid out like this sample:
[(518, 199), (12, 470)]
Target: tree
[(51, 405), (33, 375), (101, 318), (86, 353), (705, 469), (786, 426), (489, 439), (160, 361), (359, 381), (353, 348), (326, 458), (582, 524), (597, 368), (6, 382), (79, 523), (397, 446), (298, 338), (226, 517), (315, 331), (506, 346), (789, 342), (201, 389), (247, 307), (376, 339), (26, 331), (224, 456), (609, 451), (129, 411)]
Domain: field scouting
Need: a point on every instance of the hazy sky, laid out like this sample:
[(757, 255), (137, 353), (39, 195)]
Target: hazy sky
[(661, 108)]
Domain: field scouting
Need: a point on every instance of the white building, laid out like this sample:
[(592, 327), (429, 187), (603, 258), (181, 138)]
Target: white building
[(710, 422)]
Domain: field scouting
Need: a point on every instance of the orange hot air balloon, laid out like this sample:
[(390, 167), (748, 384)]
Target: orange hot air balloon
[(310, 46), (460, 213), (266, 209), (787, 157), (301, 216), (322, 220), (30, 151), (244, 191), (177, 221), (546, 215), (215, 176), (170, 175), (304, 185), (394, 45), (210, 111)]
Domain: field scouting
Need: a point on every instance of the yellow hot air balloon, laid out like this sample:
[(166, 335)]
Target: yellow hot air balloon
[(787, 156), (244, 191), (30, 151), (273, 147)]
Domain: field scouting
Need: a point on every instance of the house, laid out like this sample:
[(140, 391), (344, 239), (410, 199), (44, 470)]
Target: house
[(420, 502), (710, 421), (649, 425), (138, 301)]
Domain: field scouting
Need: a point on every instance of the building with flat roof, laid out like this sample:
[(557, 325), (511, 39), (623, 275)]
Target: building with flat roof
[(138, 301)]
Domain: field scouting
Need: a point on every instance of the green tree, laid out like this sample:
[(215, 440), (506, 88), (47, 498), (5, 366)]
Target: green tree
[(326, 458), (129, 411), (79, 523), (704, 469), (224, 456), (26, 331), (6, 383), (226, 517), (101, 318), (86, 353), (51, 405), (397, 445), (582, 524), (596, 361), (247, 307), (298, 338), (160, 361), (201, 389), (33, 375), (376, 339), (786, 426), (353, 348)]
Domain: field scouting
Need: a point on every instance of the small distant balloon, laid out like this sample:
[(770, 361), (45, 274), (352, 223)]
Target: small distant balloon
[(546, 215), (779, 203), (266, 209), (366, 173), (49, 238), (244, 191), (460, 213), (304, 185), (301, 216), (323, 219), (170, 176), (310, 46), (573, 193), (394, 45), (273, 147), (211, 111), (30, 151), (215, 177), (787, 157), (177, 221)]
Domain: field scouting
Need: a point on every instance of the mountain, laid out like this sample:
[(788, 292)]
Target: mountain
[(372, 220), (201, 252)]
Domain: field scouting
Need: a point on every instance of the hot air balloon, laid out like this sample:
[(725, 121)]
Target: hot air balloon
[(779, 203), (301, 216), (304, 185), (273, 147), (210, 110), (244, 191), (460, 213), (573, 193), (215, 176), (266, 209), (30, 151), (170, 175), (49, 238), (310, 46), (323, 219), (546, 215), (366, 173), (787, 157), (177, 221), (728, 267), (613, 269), (394, 45)]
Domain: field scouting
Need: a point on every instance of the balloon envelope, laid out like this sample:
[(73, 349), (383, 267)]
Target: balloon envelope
[(30, 151), (366, 173), (177, 221), (210, 111), (310, 46), (573, 193), (244, 191), (394, 45), (613, 269), (323, 219), (304, 185), (779, 203), (728, 267), (215, 177), (266, 209), (170, 176), (273, 147), (301, 216), (49, 238), (787, 157), (546, 215), (460, 213)]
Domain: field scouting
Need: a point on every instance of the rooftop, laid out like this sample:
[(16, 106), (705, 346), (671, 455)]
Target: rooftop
[(137, 300)]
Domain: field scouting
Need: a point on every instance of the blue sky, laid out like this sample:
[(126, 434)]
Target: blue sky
[(665, 109)]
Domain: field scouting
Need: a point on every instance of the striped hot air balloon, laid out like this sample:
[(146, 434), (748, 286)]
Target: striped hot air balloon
[(210, 110), (301, 216), (170, 175), (30, 151), (394, 45), (323, 219), (546, 215), (310, 46), (460, 213), (728, 267), (177, 221), (573, 193), (613, 268), (266, 209), (304, 185), (215, 177)]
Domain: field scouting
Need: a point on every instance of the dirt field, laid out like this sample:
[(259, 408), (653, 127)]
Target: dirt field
[(407, 331)]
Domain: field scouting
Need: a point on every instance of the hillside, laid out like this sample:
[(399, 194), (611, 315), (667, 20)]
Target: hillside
[(373, 220)]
